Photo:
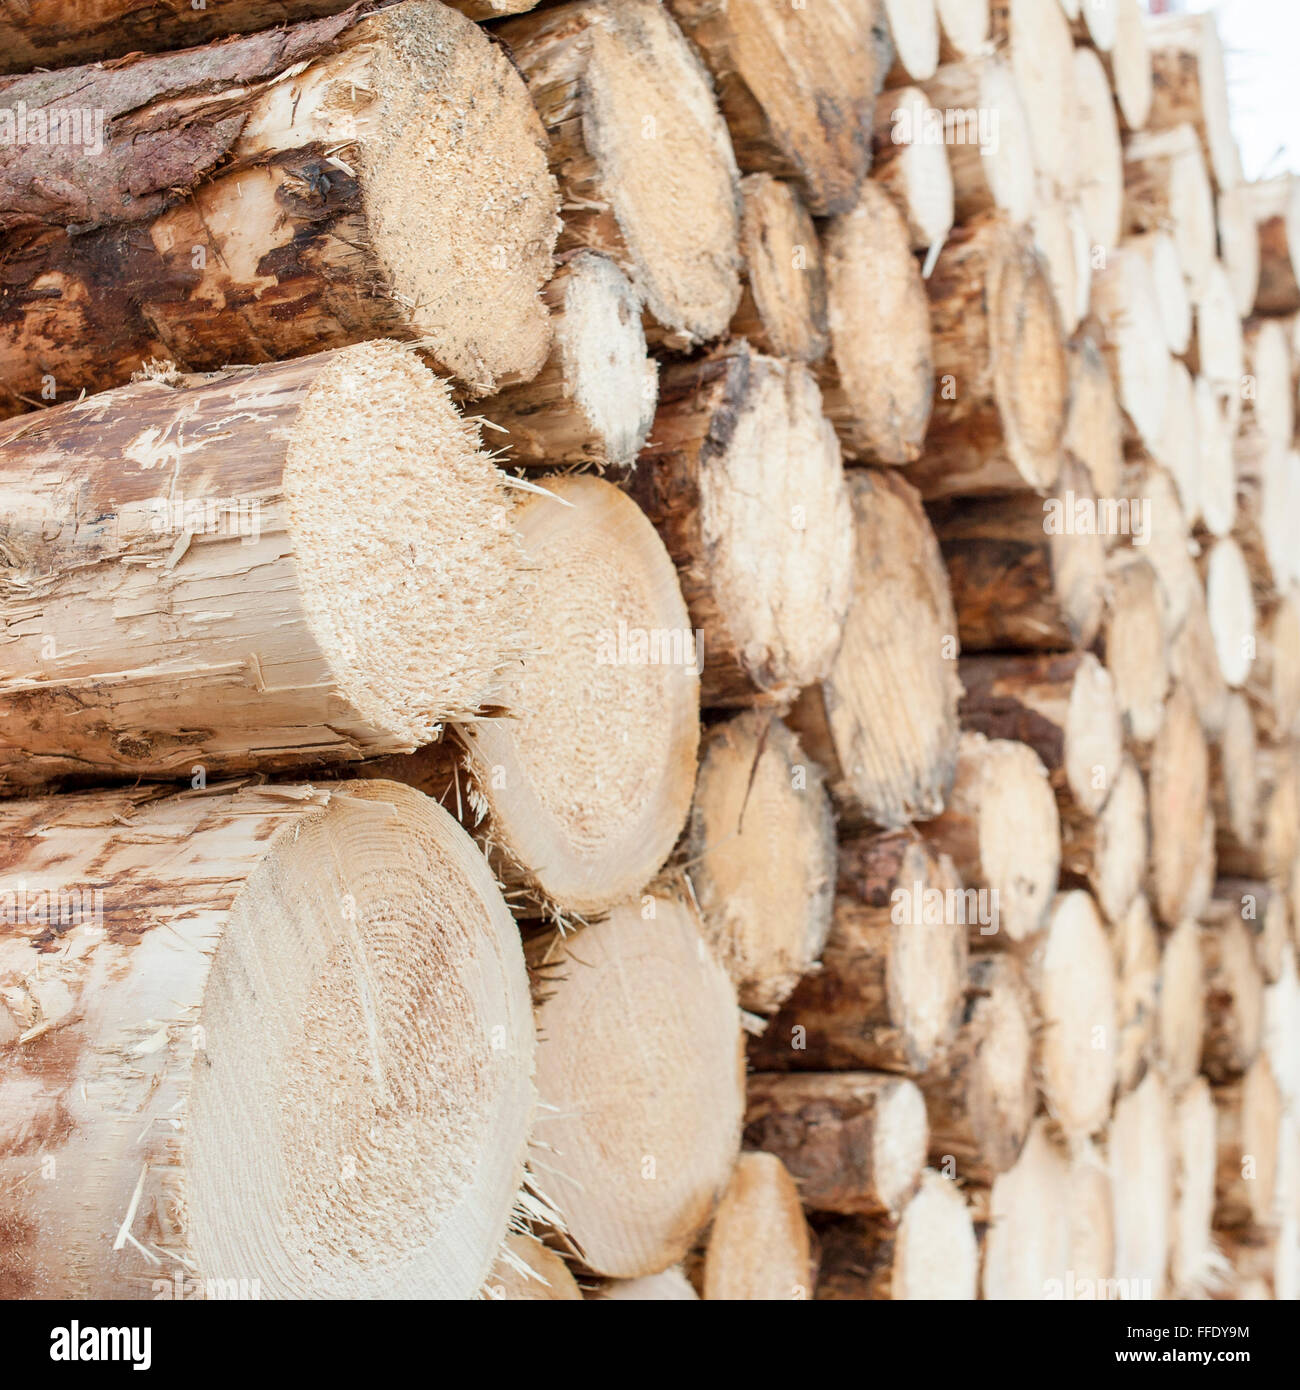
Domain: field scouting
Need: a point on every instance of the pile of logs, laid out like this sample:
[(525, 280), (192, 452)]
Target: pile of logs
[(647, 651)]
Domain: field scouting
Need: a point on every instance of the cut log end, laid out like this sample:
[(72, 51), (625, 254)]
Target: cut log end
[(758, 1248)]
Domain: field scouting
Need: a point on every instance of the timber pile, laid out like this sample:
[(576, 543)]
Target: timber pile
[(647, 652)]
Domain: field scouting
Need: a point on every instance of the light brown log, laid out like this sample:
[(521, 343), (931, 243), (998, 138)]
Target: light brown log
[(581, 796), (1099, 156), (1234, 992), (1271, 854), (1234, 787), (991, 166), (527, 1272), (1181, 1030), (1107, 852), (758, 1247), (1178, 793), (1273, 685), (980, 1098), (1230, 608), (1133, 337), (1001, 369), (1180, 450), (878, 379), (1190, 87), (1063, 706), (963, 28), (1133, 644), (1062, 240), (1094, 432), (381, 1069), (1072, 974), (636, 139), (1277, 214), (1129, 65), (1282, 1030), (594, 399), (1136, 948), (201, 576), (1089, 1211), (1140, 1156), (1266, 913), (932, 1254), (668, 1286), (783, 300), (854, 1142), (797, 87), (884, 721), (760, 853), (1239, 244), (1027, 573), (1268, 508), (1000, 828), (1161, 253), (1038, 42), (1027, 1220), (247, 207), (914, 34), (1249, 1117), (743, 481), (1162, 529), (1217, 352), (1194, 664), (889, 993), (911, 162), (1217, 420), (1268, 392), (639, 1057), (1195, 1265)]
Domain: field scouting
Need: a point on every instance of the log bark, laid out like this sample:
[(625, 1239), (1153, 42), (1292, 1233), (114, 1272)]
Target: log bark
[(245, 207), (888, 996), (1129, 65), (854, 1142), (797, 87), (363, 618), (744, 482), (1107, 852), (635, 137), (759, 1247), (1027, 573), (884, 721), (130, 1036), (981, 1098), (593, 401), (1277, 215), (1041, 51), (639, 1055), (878, 379), (1178, 792), (1001, 830), (1063, 707), (913, 166), (1134, 646), (760, 852), (1181, 1029), (1249, 1115), (1234, 992), (1136, 948), (1000, 365), (931, 1255), (783, 300)]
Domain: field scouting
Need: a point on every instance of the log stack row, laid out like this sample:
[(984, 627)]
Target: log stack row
[(647, 651)]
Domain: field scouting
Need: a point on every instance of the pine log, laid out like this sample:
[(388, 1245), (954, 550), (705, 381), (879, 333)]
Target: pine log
[(931, 1254), (1277, 214), (1134, 646), (527, 1272), (1140, 1155), (991, 166), (1272, 852), (580, 797), (1230, 608), (1194, 664), (1180, 450), (594, 399), (1266, 914), (980, 1099), (1267, 511), (1089, 1208), (760, 852), (1181, 1030), (1062, 241), (1190, 87), (640, 1062), (1136, 948), (1162, 529), (380, 1070), (364, 619), (759, 1248), (1234, 786), (1239, 244), (1027, 573), (668, 1286), (1273, 685), (1093, 22), (1062, 706), (1038, 42), (884, 721), (1196, 1267), (276, 195), (1160, 251), (1178, 794), (743, 480), (1268, 393), (1282, 1030), (912, 164), (1107, 852), (914, 35), (1129, 65), (1234, 992), (1072, 974), (1094, 432), (783, 301), (1000, 365), (1100, 156), (963, 28), (854, 1142), (1249, 1119), (636, 139), (1000, 828), (1217, 351), (1026, 1215), (1133, 336), (1217, 419), (889, 993), (797, 86), (878, 380)]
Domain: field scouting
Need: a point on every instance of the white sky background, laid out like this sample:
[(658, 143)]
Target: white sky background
[(1261, 40)]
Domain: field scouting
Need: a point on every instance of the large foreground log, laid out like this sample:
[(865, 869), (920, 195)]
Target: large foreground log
[(639, 1058), (277, 195), (883, 723), (636, 138), (364, 616), (381, 1070)]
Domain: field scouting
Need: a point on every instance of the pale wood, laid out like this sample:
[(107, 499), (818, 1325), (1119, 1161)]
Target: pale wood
[(1107, 852), (1133, 337), (1159, 249), (1178, 793), (1100, 156), (963, 28), (1274, 849), (1136, 948), (528, 1272), (1234, 992), (1273, 686), (668, 1286), (1269, 395), (1094, 432), (913, 165), (1140, 1155), (1194, 664), (1239, 244), (1249, 1118), (758, 1248), (1027, 1224), (1182, 1007), (914, 34), (1134, 645), (1195, 1265), (1277, 214), (1268, 508), (1234, 787), (1041, 51), (1129, 65), (1266, 913)]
